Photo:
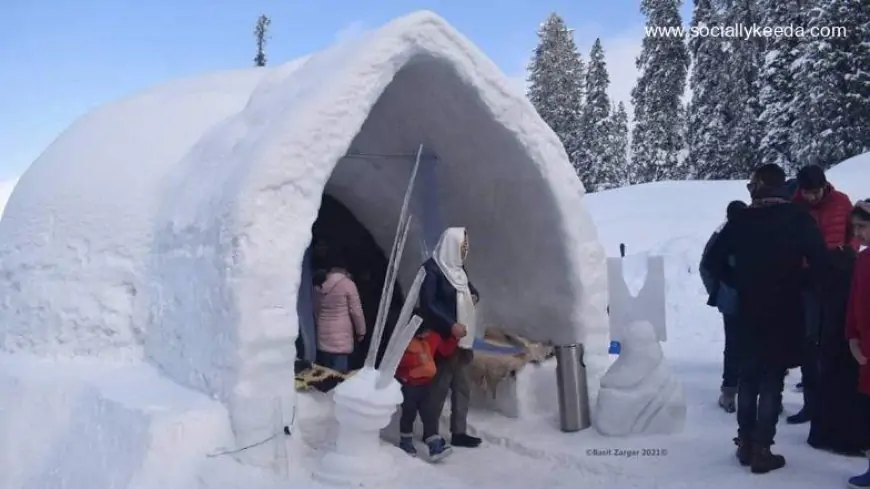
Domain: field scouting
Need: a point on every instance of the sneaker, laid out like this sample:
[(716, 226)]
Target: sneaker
[(438, 448), (406, 443), (466, 441)]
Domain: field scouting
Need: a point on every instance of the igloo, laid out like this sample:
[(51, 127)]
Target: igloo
[(164, 234)]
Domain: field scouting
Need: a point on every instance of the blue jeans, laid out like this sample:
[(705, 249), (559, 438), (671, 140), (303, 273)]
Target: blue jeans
[(759, 396), (335, 361)]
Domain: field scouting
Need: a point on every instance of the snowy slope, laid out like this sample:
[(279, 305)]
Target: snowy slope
[(5, 192)]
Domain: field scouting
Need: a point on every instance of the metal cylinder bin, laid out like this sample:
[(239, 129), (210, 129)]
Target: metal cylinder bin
[(572, 387)]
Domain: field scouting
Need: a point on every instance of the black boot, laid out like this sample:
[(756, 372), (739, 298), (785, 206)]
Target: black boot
[(744, 451), (802, 416), (763, 461), (466, 441)]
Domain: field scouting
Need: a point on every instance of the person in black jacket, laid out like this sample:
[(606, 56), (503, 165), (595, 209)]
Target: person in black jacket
[(725, 299), (769, 241), (447, 305)]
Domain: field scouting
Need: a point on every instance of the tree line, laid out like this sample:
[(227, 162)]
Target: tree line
[(754, 100)]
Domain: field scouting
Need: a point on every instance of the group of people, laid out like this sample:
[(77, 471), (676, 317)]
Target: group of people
[(437, 359), (786, 273)]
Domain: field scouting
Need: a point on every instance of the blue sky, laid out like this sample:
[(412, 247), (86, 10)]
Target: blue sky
[(61, 58)]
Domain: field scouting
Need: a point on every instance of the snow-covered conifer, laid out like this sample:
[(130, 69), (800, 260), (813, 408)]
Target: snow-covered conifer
[(658, 137), (556, 81)]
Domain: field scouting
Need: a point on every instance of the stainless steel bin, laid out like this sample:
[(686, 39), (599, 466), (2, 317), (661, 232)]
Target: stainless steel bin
[(572, 387)]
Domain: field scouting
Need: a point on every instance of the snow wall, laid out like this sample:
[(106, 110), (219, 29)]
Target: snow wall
[(170, 226)]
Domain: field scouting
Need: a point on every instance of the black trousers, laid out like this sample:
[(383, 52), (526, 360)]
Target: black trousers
[(810, 365), (759, 397), (418, 399)]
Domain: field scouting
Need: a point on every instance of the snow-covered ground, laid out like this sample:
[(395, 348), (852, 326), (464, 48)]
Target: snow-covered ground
[(143, 412)]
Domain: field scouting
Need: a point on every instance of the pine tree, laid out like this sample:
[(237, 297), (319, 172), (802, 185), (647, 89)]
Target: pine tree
[(556, 80), (830, 128), (658, 138), (617, 153), (261, 30), (741, 94), (858, 77), (596, 122), (707, 123), (777, 93)]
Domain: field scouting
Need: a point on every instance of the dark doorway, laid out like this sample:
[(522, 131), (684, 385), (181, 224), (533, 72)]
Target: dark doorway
[(339, 239)]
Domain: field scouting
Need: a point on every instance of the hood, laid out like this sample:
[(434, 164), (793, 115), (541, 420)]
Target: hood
[(771, 195), (332, 279)]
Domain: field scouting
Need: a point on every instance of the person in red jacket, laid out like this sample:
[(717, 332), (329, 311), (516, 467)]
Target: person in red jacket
[(415, 372), (830, 209), (858, 322)]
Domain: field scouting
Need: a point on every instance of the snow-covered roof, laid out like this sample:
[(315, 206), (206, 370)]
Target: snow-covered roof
[(171, 225)]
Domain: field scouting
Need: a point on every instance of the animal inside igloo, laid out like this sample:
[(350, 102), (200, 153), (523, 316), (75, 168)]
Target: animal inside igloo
[(161, 237)]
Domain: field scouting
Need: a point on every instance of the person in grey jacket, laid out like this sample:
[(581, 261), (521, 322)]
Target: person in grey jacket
[(724, 298)]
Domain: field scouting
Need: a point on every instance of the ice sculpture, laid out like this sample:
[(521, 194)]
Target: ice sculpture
[(639, 393), (365, 403)]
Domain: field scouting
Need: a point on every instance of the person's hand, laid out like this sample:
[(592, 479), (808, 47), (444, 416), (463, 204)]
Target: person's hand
[(459, 330), (359, 338), (855, 348), (475, 298)]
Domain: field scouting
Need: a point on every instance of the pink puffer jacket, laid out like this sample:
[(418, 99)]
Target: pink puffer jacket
[(338, 314)]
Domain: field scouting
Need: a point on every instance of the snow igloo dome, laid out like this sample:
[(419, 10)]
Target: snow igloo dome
[(169, 228)]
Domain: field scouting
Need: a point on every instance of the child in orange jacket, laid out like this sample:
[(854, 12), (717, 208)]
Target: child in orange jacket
[(415, 372)]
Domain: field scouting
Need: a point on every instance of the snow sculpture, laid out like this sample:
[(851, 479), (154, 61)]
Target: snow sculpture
[(639, 394), (365, 403), (647, 305)]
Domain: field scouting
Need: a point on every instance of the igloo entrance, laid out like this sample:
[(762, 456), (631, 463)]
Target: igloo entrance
[(339, 239)]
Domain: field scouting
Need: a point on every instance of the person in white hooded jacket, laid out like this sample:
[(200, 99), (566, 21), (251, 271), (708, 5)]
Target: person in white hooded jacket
[(447, 305)]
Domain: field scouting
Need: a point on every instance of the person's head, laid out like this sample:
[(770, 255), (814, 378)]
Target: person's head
[(319, 278), (452, 248), (734, 208), (861, 221), (766, 176), (812, 184)]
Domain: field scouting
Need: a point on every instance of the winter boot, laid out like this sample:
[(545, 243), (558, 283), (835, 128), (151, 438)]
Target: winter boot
[(727, 399), (406, 443), (860, 481), (467, 441), (744, 451), (438, 448), (763, 461)]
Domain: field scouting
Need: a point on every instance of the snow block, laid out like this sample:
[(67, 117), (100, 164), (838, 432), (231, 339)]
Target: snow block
[(74, 426)]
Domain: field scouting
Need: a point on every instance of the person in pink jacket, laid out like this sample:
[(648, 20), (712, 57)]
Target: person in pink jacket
[(338, 317)]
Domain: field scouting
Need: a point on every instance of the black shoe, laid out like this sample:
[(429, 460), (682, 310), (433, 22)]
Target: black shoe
[(465, 441), (802, 416)]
